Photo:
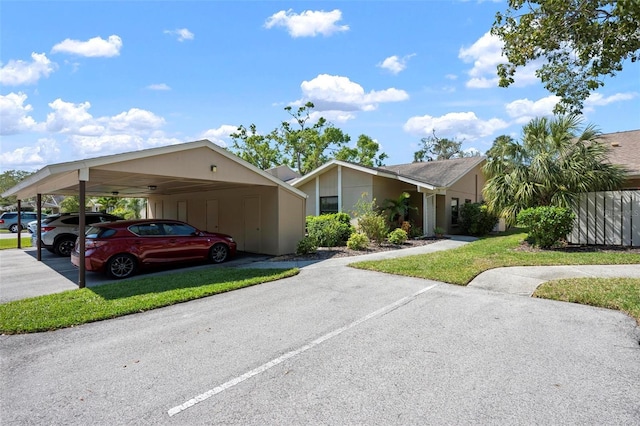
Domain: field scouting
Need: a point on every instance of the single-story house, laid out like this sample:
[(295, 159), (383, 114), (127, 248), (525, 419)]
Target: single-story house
[(436, 188), (196, 182)]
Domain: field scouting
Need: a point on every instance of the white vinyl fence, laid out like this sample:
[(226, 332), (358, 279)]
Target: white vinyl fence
[(611, 218)]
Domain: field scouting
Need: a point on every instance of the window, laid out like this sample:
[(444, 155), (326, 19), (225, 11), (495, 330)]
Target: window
[(455, 204), (329, 205)]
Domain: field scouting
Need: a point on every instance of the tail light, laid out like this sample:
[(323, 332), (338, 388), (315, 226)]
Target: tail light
[(1, 220), (47, 228), (93, 244)]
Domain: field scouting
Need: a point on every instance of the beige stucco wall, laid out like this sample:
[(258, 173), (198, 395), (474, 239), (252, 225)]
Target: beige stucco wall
[(469, 187), (279, 229)]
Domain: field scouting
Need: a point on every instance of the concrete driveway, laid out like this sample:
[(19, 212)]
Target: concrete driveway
[(333, 345)]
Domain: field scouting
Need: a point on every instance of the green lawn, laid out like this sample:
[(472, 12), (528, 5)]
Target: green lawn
[(81, 306), (461, 265), (622, 294), (9, 243)]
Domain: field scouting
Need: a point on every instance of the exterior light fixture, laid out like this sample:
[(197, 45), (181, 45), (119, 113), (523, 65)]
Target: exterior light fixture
[(214, 168), (152, 187), (114, 193)]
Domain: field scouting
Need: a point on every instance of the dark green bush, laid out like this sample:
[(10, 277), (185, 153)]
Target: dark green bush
[(306, 246), (329, 230), (476, 220), (397, 236), (547, 225)]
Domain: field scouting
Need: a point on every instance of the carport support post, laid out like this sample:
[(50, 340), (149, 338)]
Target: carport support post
[(19, 223), (38, 226), (81, 225)]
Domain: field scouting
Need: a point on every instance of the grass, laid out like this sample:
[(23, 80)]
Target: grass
[(461, 265), (11, 243), (75, 307), (622, 294)]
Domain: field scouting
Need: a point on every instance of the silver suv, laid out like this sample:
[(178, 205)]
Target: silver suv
[(59, 231), (9, 220)]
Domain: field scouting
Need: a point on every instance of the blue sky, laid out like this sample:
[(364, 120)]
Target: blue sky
[(82, 79)]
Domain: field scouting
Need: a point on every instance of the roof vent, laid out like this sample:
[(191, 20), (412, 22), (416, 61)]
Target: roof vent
[(615, 144)]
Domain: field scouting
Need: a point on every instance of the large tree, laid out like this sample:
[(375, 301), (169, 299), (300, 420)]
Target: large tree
[(309, 146), (582, 41), (555, 161), (260, 150), (366, 152), (435, 148), (8, 180)]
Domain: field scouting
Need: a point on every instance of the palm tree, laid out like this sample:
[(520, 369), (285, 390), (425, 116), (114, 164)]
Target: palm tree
[(398, 209), (553, 164)]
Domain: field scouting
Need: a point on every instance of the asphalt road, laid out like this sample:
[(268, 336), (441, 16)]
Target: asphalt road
[(333, 345)]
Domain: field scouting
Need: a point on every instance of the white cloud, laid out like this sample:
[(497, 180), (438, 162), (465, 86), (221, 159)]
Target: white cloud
[(524, 110), (68, 117), (160, 86), (182, 34), (486, 54), (94, 47), (459, 125), (219, 135), (14, 114), (308, 23), (598, 99), (395, 64), (21, 72), (135, 120), (329, 92), (86, 146), (35, 157)]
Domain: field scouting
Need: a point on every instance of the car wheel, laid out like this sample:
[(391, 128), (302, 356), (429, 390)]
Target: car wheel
[(14, 228), (121, 266), (219, 253), (64, 246)]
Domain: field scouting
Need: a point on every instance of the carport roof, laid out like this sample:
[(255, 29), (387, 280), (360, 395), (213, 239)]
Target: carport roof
[(63, 178)]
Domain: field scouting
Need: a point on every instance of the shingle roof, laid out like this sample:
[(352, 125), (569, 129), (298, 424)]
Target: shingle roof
[(624, 149), (443, 173)]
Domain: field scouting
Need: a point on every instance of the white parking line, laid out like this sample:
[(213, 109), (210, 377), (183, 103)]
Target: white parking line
[(264, 367)]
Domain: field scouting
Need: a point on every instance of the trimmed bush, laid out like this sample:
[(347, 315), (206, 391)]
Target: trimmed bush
[(329, 230), (306, 245), (397, 236), (476, 220), (547, 225), (358, 241), (370, 221)]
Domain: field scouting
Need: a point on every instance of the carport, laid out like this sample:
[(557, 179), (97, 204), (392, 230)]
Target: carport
[(196, 182)]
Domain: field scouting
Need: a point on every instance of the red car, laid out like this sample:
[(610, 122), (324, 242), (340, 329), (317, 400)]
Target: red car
[(120, 248)]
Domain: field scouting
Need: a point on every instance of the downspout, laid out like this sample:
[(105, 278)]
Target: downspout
[(83, 177), (339, 189), (38, 227), (317, 195), (19, 224)]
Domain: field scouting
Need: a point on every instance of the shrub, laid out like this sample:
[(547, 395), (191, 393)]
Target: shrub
[(476, 220), (397, 236), (329, 230), (547, 225), (370, 221), (306, 245), (358, 241)]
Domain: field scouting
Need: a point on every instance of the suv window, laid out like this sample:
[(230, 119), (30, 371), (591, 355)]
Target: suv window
[(8, 215)]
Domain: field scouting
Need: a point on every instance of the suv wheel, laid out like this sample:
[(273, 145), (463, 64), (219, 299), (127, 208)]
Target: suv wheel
[(121, 266), (14, 228), (64, 246)]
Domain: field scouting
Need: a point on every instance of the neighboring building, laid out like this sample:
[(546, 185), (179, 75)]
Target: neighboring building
[(624, 149), (284, 173), (437, 188)]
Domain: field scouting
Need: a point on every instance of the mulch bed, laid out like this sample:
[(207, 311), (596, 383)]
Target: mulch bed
[(335, 252)]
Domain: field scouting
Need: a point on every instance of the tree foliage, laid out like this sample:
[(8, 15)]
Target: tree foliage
[(260, 150), (581, 40), (555, 162), (302, 145), (365, 153), (8, 180), (435, 148)]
